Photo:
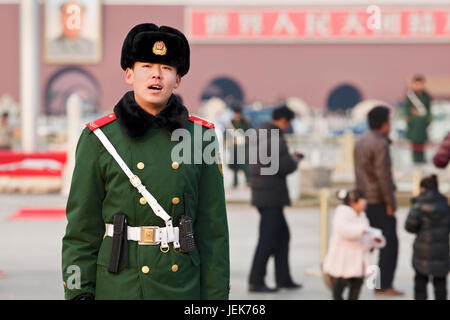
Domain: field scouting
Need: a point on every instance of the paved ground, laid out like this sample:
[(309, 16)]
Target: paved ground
[(30, 252)]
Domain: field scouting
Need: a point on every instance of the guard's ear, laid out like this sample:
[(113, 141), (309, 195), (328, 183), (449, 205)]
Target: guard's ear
[(178, 81), (129, 76)]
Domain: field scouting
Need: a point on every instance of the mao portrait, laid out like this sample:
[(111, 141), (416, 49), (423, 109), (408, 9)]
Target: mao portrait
[(72, 31)]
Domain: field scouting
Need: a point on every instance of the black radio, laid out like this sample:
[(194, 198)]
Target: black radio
[(186, 229)]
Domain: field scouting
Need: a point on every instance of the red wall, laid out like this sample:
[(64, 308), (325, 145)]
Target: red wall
[(9, 51), (265, 72), (311, 71)]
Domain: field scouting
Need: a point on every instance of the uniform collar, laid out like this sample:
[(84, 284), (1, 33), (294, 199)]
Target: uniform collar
[(135, 121)]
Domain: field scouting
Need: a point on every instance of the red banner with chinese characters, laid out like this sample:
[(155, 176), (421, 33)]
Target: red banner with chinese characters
[(317, 25)]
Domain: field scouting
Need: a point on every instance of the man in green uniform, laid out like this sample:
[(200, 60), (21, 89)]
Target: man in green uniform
[(235, 139), (418, 118), (127, 229)]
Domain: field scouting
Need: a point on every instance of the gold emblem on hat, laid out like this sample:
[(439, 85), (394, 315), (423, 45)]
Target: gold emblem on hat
[(159, 48)]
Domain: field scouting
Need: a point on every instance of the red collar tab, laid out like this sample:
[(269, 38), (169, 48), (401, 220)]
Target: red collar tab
[(101, 122), (202, 122)]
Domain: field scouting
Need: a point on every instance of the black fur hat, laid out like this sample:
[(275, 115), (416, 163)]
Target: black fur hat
[(149, 43)]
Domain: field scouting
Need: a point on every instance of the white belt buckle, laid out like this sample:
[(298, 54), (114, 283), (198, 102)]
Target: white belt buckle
[(135, 181), (148, 235)]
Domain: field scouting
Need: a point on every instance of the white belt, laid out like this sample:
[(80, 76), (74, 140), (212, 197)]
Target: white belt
[(145, 235)]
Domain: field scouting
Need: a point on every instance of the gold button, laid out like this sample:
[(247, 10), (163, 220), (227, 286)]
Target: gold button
[(142, 201), (140, 165), (175, 165), (145, 269), (174, 268), (176, 200), (64, 284)]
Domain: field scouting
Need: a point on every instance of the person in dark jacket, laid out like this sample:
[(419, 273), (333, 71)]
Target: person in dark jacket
[(373, 172), (6, 133), (429, 218), (270, 195)]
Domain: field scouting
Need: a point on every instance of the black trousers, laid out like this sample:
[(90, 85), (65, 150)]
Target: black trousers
[(420, 287), (236, 170), (376, 213), (418, 156), (354, 284), (273, 240), (418, 152)]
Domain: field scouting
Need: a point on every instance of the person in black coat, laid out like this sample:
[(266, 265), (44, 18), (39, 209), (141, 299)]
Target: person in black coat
[(429, 218), (270, 195)]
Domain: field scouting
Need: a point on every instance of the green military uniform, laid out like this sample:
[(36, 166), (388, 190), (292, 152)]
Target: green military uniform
[(240, 152), (417, 125), (100, 190)]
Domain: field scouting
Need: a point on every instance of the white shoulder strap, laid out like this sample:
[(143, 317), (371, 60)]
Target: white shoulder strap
[(417, 103), (134, 179), (136, 182)]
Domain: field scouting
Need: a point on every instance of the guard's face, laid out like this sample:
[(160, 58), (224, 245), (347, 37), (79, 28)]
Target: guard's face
[(237, 116), (418, 86), (152, 83)]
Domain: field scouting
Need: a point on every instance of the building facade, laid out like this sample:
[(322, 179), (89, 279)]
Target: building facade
[(268, 59)]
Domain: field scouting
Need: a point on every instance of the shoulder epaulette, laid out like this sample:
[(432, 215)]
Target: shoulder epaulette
[(101, 122), (202, 122)]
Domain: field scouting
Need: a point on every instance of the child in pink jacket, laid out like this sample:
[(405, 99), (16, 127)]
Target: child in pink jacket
[(351, 240)]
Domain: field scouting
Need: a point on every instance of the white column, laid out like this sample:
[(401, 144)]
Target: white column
[(74, 128), (29, 72)]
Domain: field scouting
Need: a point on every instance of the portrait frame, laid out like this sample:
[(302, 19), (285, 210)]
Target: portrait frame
[(73, 31)]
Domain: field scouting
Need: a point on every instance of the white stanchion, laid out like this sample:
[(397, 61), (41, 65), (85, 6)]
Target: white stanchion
[(324, 195), (74, 128), (29, 72)]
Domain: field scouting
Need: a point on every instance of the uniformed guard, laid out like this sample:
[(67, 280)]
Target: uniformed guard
[(239, 144), (141, 225), (418, 118)]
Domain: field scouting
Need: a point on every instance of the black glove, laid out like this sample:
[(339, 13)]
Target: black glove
[(84, 296)]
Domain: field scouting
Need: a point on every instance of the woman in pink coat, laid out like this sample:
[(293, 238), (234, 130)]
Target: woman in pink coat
[(352, 239)]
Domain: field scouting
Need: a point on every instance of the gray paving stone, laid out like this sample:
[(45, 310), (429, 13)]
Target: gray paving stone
[(30, 252)]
